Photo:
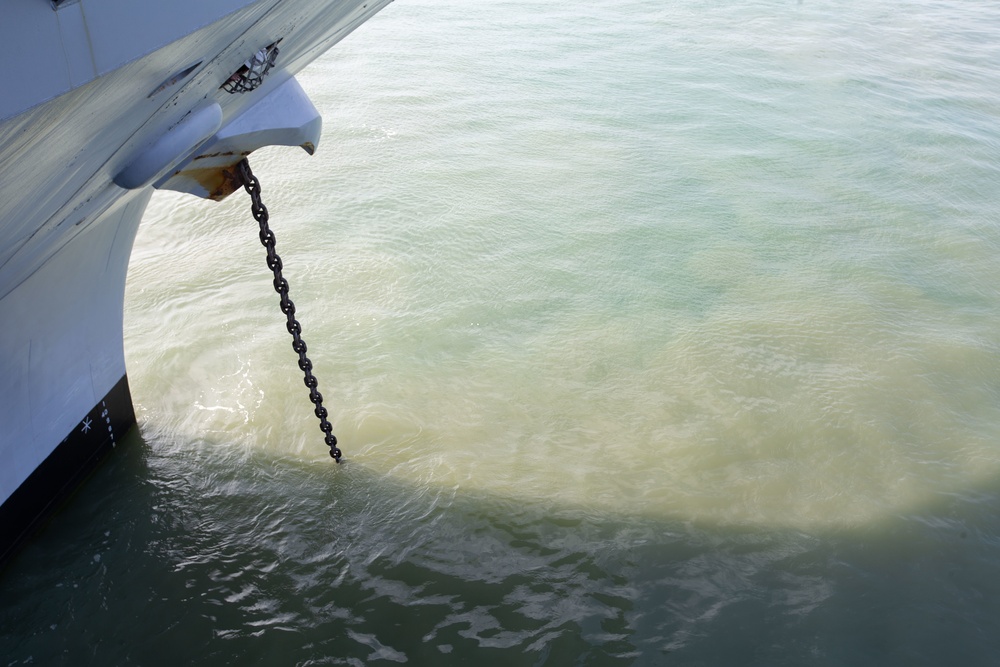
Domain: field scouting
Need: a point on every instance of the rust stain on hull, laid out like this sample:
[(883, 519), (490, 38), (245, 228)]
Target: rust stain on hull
[(233, 154), (219, 182)]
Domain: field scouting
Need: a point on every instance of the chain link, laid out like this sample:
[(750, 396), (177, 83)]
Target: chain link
[(252, 186)]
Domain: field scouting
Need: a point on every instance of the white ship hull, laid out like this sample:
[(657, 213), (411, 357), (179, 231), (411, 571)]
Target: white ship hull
[(104, 100)]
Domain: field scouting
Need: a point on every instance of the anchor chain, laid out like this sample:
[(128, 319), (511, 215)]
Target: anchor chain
[(267, 239)]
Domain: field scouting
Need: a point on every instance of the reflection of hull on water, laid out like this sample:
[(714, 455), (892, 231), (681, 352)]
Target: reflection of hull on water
[(103, 100)]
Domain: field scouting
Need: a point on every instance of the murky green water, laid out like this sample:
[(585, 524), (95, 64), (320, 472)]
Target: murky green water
[(653, 334)]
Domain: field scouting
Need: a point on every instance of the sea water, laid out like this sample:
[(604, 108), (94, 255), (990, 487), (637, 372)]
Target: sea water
[(653, 333)]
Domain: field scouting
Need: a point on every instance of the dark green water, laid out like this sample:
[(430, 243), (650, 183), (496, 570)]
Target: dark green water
[(266, 561), (653, 334)]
